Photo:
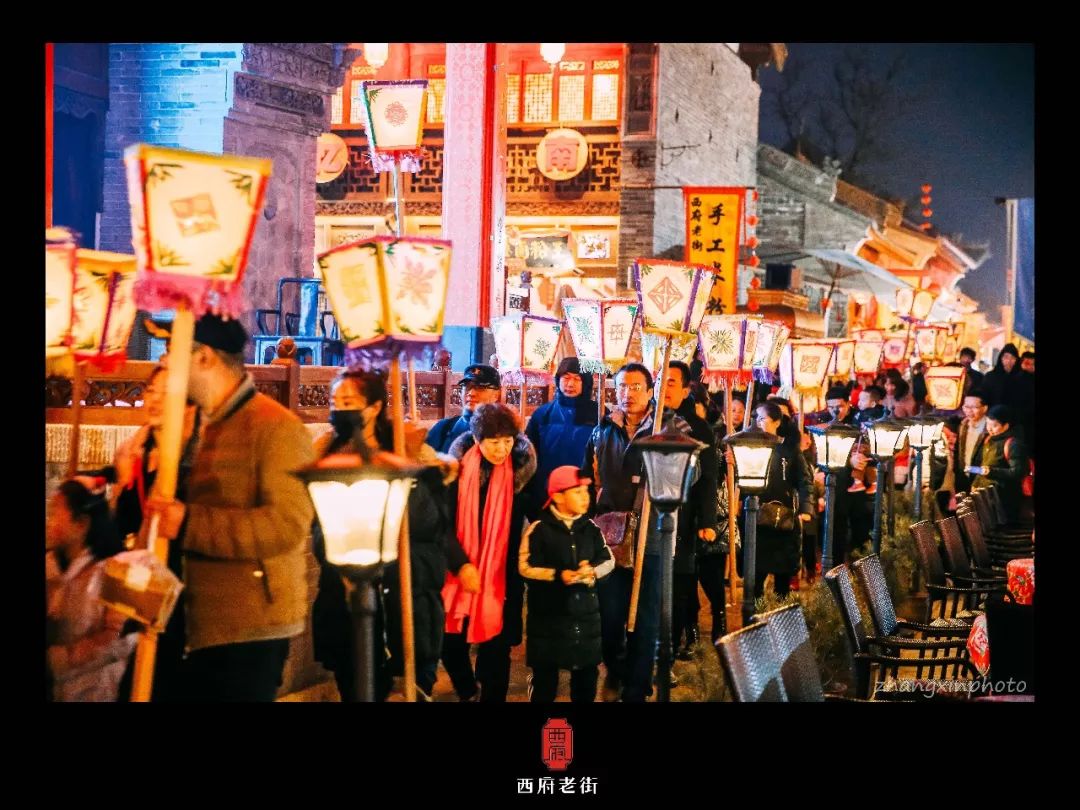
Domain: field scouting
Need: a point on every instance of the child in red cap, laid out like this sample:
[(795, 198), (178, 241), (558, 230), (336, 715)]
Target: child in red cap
[(562, 555)]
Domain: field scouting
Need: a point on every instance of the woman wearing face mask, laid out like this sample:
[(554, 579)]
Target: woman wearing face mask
[(359, 422), (483, 595), (787, 497), (86, 654)]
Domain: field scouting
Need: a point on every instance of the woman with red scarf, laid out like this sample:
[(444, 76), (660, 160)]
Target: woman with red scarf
[(483, 594)]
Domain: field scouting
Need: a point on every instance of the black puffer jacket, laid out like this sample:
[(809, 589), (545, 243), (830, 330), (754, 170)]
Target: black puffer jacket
[(564, 620)]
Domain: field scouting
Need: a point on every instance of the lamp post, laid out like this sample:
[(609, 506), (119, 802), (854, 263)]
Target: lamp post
[(753, 449), (833, 447), (670, 457), (885, 436), (922, 433), (360, 505)]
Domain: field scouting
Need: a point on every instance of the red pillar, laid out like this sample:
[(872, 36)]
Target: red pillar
[(48, 133)]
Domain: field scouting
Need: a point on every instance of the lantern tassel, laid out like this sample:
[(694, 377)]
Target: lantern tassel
[(105, 362), (528, 377), (155, 290), (377, 356)]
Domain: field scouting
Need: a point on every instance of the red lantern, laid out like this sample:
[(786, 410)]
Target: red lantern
[(926, 199), (753, 261), (824, 304), (752, 242), (927, 188), (755, 282), (754, 196), (752, 306), (752, 220), (928, 212)]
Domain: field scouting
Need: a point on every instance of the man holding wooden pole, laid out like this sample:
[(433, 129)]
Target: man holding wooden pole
[(244, 527)]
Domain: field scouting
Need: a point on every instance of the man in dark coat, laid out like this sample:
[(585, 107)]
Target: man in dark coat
[(479, 386), (559, 430), (1007, 384), (973, 378)]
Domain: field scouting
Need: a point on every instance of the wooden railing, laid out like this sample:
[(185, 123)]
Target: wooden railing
[(115, 397)]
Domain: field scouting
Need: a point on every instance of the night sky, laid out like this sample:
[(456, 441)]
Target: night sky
[(969, 131)]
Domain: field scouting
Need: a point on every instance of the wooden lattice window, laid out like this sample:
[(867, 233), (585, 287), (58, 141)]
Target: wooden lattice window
[(436, 99), (538, 98), (572, 97), (337, 106), (513, 98), (356, 103)]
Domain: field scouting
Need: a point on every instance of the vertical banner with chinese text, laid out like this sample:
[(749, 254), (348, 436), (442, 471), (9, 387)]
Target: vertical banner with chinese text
[(714, 229)]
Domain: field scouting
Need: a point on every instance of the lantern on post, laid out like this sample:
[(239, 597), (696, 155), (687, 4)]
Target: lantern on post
[(752, 449), (680, 348), (361, 508), (104, 304), (930, 340), (669, 458), (868, 346), (672, 297), (895, 352), (60, 247), (843, 359), (601, 332), (913, 304), (804, 365), (884, 438), (728, 344), (772, 335), (833, 444), (945, 387), (525, 346), (193, 217), (923, 431)]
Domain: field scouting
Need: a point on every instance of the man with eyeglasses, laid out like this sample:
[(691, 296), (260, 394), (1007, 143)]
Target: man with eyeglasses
[(480, 386), (617, 473)]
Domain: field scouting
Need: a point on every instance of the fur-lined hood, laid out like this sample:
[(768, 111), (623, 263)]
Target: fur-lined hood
[(522, 456)]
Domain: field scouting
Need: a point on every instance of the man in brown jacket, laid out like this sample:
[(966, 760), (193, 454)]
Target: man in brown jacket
[(244, 527)]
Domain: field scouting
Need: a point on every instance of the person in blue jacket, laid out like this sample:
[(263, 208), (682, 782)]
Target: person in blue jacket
[(559, 430)]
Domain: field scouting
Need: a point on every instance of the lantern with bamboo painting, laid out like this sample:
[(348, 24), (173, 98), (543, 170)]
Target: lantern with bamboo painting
[(60, 247), (394, 120), (601, 331), (526, 345), (945, 386), (930, 341), (804, 365), (772, 336), (388, 294), (913, 304), (843, 359), (104, 307), (728, 343), (193, 217)]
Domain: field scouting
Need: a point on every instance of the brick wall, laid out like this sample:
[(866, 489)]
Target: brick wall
[(708, 103)]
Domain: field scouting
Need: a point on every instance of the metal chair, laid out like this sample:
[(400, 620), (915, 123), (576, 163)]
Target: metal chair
[(957, 556), (883, 612), (996, 542), (751, 665), (986, 556), (303, 326), (798, 666), (871, 667), (980, 499), (938, 586)]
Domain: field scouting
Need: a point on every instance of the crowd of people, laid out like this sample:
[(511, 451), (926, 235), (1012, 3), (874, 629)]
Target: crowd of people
[(506, 520)]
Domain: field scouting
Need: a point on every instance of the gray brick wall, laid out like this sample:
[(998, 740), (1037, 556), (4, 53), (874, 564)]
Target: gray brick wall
[(708, 103)]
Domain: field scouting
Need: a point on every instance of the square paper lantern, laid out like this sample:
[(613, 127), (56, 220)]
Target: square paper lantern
[(193, 216), (104, 303), (895, 352), (672, 295), (952, 349), (59, 287), (945, 386), (394, 119), (867, 355), (914, 305), (804, 365), (868, 334), (388, 293), (930, 341), (683, 347), (728, 344), (772, 335), (843, 358), (601, 331), (526, 346)]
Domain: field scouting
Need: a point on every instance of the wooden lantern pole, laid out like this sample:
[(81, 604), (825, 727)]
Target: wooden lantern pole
[(749, 404), (78, 380), (414, 410), (643, 524), (729, 482), (172, 429), (521, 398)]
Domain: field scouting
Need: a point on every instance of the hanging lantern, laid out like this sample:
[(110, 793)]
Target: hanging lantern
[(804, 365), (672, 295), (601, 331), (928, 212), (60, 249), (772, 335), (104, 307), (945, 387), (683, 347), (394, 119), (376, 53), (728, 343), (388, 294), (867, 355), (914, 305), (843, 358), (193, 216), (930, 342), (925, 199), (895, 352), (526, 346), (927, 188), (552, 52)]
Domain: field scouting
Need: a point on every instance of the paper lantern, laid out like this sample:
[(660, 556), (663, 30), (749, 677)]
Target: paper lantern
[(104, 304), (894, 352), (945, 387), (59, 288), (772, 335), (811, 401), (930, 342), (394, 120), (867, 355), (388, 294), (672, 295), (683, 347), (868, 334), (914, 305), (952, 350), (193, 216), (601, 331), (526, 346), (728, 343), (843, 358), (804, 365)]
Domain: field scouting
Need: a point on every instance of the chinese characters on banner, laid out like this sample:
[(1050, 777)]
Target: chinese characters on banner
[(714, 230), (565, 784)]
